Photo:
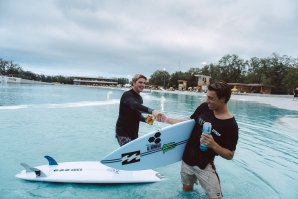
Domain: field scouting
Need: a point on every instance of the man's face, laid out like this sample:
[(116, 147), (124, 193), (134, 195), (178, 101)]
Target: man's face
[(213, 101), (139, 85)]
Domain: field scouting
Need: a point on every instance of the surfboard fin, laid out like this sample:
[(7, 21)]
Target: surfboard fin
[(51, 160), (160, 176), (37, 172)]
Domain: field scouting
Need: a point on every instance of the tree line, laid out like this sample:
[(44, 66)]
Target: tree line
[(8, 68), (281, 72)]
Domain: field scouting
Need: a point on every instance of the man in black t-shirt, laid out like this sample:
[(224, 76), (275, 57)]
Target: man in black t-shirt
[(130, 111), (198, 164)]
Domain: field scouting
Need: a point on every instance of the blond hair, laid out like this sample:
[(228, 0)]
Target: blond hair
[(138, 76)]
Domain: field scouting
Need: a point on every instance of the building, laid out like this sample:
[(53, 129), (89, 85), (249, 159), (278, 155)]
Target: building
[(250, 88), (203, 82), (182, 85), (94, 81)]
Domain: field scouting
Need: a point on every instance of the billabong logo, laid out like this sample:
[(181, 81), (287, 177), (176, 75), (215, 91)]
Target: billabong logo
[(168, 147), (131, 157)]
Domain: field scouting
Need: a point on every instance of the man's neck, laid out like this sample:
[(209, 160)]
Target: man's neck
[(222, 113), (135, 90)]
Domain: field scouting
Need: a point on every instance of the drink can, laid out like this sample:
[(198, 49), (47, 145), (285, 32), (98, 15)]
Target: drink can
[(207, 127)]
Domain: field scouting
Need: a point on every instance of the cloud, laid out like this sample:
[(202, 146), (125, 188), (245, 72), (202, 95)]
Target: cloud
[(120, 38)]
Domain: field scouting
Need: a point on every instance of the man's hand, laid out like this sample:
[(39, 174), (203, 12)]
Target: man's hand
[(149, 119), (207, 140), (210, 143), (158, 116)]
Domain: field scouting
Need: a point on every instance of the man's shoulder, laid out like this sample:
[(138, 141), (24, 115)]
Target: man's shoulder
[(204, 104), (130, 95), (129, 92), (203, 107), (199, 110)]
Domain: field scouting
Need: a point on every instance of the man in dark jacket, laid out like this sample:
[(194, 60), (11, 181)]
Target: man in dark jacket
[(130, 111)]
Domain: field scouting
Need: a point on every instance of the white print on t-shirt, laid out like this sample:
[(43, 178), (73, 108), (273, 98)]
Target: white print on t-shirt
[(216, 132), (200, 121)]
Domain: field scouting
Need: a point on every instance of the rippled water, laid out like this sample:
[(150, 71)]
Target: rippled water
[(77, 124)]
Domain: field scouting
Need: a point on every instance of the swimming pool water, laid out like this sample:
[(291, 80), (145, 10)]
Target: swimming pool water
[(73, 123)]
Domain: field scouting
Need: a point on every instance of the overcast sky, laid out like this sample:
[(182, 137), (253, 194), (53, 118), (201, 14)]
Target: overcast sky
[(120, 38)]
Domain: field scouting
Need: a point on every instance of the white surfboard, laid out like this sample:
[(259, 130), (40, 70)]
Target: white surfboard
[(85, 172), (152, 150)]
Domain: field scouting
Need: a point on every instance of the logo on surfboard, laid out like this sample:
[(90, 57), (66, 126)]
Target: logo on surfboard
[(169, 146), (156, 145), (154, 142), (131, 157), (156, 138)]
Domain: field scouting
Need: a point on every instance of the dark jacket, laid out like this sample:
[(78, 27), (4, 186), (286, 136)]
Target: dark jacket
[(130, 110)]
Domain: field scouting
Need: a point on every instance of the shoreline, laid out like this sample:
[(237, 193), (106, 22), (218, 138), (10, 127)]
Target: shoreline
[(278, 101)]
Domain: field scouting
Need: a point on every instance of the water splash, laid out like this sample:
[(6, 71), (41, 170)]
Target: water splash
[(109, 94), (162, 103), (63, 105), (84, 104), (15, 107)]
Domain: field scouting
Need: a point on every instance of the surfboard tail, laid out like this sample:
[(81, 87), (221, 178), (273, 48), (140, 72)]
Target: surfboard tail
[(37, 172)]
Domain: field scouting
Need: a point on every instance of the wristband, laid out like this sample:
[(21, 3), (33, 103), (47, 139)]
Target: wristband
[(166, 120), (150, 111)]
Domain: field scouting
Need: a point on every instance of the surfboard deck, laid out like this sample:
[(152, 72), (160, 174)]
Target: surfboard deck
[(85, 172), (152, 150)]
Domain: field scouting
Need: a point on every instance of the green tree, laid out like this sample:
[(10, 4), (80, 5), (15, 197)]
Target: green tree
[(291, 80), (277, 72), (178, 76), (254, 72), (190, 76), (123, 81), (174, 79), (232, 68), (13, 69), (160, 78), (3, 65), (214, 72), (28, 75)]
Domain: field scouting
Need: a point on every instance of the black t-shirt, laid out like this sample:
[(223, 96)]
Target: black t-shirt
[(224, 132), (130, 110)]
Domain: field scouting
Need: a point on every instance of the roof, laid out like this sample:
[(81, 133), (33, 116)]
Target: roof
[(255, 85)]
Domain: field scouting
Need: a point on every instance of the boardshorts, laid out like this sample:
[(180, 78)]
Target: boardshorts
[(123, 140), (207, 177)]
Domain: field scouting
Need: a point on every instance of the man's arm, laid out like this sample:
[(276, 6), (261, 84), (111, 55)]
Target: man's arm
[(210, 143), (173, 120)]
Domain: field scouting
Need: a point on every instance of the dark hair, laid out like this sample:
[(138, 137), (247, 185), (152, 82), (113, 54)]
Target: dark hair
[(138, 76), (222, 90)]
